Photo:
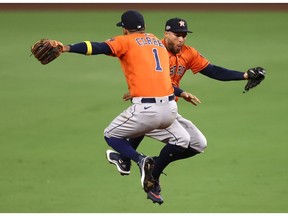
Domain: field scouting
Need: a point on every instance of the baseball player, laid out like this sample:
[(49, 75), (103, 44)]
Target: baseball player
[(181, 59)]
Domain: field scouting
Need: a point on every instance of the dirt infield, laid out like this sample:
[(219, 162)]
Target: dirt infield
[(147, 6)]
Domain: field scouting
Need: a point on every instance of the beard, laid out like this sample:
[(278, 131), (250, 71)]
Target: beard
[(172, 48)]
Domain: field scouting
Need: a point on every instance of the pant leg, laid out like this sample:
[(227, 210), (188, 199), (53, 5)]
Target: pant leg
[(197, 140)]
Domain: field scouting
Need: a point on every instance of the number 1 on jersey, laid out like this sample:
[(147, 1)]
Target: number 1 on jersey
[(157, 61)]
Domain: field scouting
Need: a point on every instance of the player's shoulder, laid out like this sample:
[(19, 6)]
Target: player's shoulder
[(189, 53), (150, 34), (114, 38), (187, 48)]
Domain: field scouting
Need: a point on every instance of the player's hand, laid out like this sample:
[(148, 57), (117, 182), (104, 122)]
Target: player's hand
[(127, 96), (190, 98)]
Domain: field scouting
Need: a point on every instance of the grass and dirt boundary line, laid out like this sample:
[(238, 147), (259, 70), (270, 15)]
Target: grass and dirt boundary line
[(147, 6)]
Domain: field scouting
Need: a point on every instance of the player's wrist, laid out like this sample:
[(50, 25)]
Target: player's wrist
[(66, 48), (246, 77), (177, 91)]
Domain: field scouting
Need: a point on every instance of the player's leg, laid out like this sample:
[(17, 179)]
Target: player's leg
[(170, 153), (197, 140)]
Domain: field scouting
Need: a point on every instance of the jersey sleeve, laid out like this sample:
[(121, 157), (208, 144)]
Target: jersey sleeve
[(118, 45), (197, 62)]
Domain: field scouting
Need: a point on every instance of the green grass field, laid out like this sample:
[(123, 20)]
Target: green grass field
[(52, 150)]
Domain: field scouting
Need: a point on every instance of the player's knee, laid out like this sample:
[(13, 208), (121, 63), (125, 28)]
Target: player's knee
[(203, 143), (107, 133), (200, 143)]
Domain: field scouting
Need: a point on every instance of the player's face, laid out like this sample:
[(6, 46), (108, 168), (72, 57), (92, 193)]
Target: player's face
[(174, 41)]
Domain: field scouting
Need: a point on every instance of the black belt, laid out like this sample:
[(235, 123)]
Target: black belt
[(153, 100)]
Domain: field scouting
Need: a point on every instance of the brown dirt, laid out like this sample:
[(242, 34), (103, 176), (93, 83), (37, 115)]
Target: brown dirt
[(147, 6)]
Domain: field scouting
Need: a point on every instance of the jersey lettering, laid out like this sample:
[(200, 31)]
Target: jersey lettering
[(180, 71), (148, 41)]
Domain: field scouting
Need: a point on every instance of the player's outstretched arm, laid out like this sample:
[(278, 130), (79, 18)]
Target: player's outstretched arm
[(254, 75), (47, 50)]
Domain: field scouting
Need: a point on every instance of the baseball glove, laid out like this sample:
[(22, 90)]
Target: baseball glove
[(255, 77), (46, 50)]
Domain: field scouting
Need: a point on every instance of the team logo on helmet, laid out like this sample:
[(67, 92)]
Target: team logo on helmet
[(182, 23)]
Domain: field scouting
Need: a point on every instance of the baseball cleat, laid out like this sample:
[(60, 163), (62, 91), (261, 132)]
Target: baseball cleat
[(123, 167), (146, 166), (154, 194)]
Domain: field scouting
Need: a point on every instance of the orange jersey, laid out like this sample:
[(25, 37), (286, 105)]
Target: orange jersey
[(187, 58), (144, 60)]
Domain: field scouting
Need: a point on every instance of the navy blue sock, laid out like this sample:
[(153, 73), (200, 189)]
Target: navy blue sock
[(134, 142), (124, 148), (168, 154)]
